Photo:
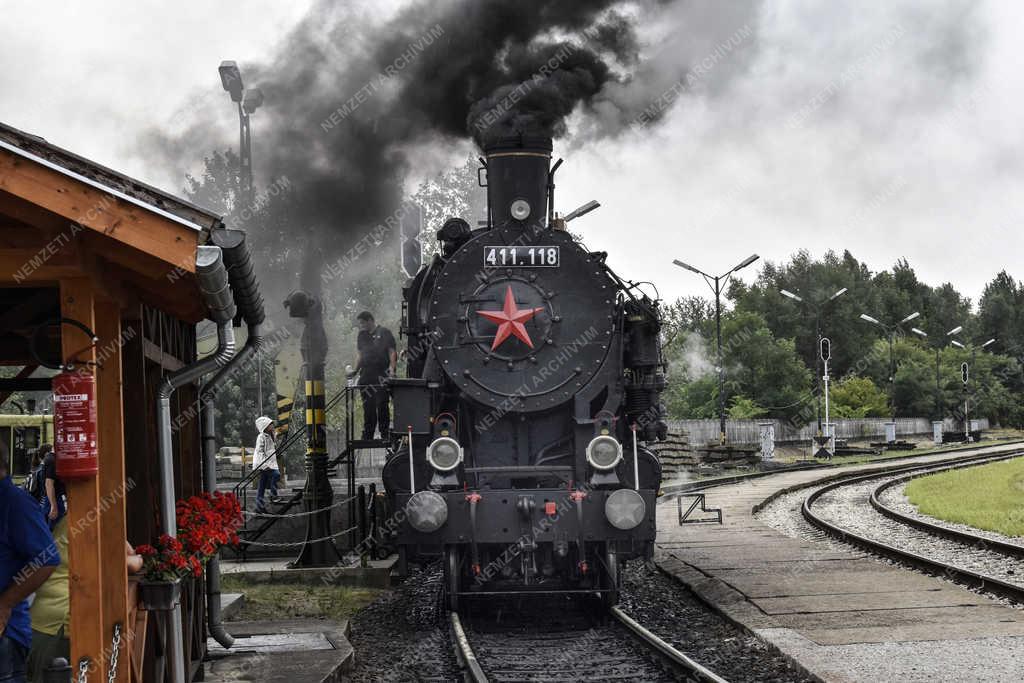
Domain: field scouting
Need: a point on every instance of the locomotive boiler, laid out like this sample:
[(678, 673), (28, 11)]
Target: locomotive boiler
[(534, 382)]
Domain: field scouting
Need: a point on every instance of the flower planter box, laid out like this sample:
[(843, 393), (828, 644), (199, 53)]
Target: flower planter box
[(159, 596)]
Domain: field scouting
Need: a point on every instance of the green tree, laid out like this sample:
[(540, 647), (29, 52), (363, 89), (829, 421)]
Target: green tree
[(856, 397), (763, 374)]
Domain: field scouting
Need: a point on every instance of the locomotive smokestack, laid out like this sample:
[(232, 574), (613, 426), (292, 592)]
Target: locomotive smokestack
[(517, 179)]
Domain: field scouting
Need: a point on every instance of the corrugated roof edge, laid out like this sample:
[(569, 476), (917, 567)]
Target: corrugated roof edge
[(116, 183)]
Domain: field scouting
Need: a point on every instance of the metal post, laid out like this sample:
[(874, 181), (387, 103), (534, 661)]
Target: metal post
[(245, 157), (828, 425), (259, 382), (967, 399), (318, 549), (938, 389), (817, 366), (721, 362), (892, 372)]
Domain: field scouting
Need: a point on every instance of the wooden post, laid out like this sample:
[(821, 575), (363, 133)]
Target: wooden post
[(112, 485), (77, 301)]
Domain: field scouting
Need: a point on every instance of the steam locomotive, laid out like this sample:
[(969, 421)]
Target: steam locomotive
[(534, 381)]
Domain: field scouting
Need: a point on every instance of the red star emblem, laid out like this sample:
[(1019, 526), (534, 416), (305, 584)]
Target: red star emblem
[(510, 320)]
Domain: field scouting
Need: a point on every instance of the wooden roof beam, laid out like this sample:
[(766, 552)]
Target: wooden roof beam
[(145, 229)]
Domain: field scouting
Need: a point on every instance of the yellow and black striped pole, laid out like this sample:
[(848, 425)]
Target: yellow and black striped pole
[(284, 417), (316, 425), (318, 549)]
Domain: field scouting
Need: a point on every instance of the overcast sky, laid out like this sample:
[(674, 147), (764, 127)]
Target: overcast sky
[(893, 129)]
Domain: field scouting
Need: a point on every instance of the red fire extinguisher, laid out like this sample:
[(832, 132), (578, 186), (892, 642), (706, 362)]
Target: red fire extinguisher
[(74, 422), (74, 406)]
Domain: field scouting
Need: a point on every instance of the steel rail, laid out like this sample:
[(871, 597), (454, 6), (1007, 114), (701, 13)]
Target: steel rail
[(464, 651), (1012, 549), (932, 566), (698, 671), (474, 671)]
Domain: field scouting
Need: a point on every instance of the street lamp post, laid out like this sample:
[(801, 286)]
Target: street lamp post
[(248, 102), (816, 307), (717, 283), (938, 371), (890, 331)]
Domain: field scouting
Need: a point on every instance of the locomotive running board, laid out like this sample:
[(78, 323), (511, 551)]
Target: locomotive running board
[(698, 499)]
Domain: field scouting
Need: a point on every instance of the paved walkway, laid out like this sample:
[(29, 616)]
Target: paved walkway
[(289, 651), (843, 615)]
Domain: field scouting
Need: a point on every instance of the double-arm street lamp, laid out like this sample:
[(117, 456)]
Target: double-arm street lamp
[(816, 308), (248, 101), (890, 332), (717, 283), (939, 412)]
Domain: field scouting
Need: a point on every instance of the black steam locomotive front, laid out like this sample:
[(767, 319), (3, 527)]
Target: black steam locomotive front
[(534, 381)]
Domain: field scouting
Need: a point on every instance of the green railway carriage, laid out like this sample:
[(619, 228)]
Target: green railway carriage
[(23, 434)]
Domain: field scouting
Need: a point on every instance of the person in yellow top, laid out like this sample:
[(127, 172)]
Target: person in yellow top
[(50, 612), (51, 608)]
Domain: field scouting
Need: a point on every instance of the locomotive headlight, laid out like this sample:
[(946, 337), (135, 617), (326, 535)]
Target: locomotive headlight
[(520, 209), (625, 509), (444, 454), (604, 452), (427, 511)]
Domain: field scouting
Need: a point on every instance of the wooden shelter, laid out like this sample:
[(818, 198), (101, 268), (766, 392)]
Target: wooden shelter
[(82, 242)]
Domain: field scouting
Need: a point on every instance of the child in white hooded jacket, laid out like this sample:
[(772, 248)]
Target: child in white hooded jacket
[(264, 459)]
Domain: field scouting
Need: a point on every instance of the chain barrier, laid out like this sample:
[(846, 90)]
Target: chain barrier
[(297, 543), (83, 670), (115, 649), (299, 514)]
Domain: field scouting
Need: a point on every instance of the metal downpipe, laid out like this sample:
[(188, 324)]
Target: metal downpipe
[(245, 290), (213, 283), (213, 595)]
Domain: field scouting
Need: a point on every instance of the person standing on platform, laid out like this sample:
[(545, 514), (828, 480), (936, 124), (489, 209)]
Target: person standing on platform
[(377, 356), (54, 496), (28, 557), (264, 459)]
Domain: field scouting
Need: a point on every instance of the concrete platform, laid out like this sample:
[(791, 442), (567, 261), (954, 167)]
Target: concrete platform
[(230, 605), (377, 573), (843, 616), (291, 651)]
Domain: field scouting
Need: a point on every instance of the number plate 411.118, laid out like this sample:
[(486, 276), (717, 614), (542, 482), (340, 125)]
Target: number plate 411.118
[(529, 257)]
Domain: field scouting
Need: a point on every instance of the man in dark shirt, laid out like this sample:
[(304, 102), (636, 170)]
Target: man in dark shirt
[(53, 500), (28, 556), (377, 357)]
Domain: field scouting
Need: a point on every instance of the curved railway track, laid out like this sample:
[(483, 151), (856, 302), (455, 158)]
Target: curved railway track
[(963, 547), (579, 648)]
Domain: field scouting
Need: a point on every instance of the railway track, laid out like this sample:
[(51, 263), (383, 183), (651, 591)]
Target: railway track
[(852, 509), (571, 647)]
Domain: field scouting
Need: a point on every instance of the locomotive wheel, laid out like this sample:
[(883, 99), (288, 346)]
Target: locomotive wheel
[(612, 579), (451, 577)]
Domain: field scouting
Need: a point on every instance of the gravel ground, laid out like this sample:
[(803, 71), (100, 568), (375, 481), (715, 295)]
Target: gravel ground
[(849, 508), (403, 636), (675, 615), (896, 499)]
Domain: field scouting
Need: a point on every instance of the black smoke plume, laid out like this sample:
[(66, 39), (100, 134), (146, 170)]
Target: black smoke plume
[(349, 96)]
